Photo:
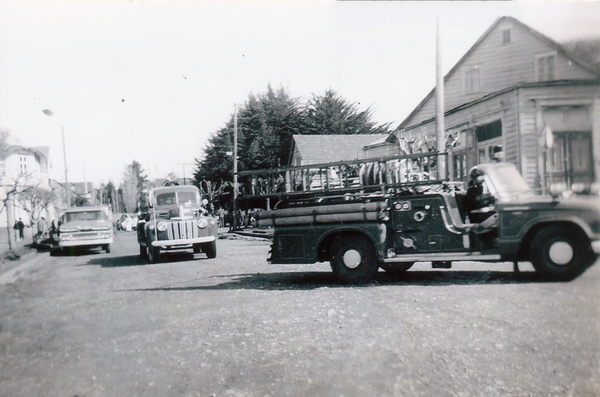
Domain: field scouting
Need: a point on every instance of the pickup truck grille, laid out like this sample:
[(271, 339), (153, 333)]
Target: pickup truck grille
[(182, 230)]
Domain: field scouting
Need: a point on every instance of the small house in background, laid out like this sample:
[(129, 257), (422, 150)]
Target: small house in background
[(520, 97), (319, 149)]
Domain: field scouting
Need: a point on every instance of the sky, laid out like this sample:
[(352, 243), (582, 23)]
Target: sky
[(152, 80)]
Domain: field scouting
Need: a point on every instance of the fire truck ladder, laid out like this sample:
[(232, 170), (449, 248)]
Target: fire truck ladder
[(386, 175)]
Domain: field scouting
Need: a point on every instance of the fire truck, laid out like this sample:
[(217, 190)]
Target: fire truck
[(392, 212)]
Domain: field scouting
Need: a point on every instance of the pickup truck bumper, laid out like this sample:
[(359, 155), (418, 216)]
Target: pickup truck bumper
[(182, 242), (78, 243)]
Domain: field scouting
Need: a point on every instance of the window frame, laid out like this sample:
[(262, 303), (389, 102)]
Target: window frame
[(538, 72), (468, 80)]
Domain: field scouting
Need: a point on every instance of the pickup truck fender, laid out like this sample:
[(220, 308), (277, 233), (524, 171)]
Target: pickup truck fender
[(517, 245)]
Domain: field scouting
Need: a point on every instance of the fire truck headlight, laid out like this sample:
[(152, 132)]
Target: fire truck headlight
[(161, 226), (202, 223)]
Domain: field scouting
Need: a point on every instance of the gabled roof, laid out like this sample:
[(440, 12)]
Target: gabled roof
[(317, 149), (559, 49)]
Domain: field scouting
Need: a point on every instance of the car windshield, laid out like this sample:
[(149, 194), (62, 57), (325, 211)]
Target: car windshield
[(508, 182), (85, 216), (185, 198)]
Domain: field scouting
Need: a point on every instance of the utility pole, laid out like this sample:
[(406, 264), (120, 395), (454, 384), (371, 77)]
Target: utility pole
[(183, 165), (439, 102), (235, 172)]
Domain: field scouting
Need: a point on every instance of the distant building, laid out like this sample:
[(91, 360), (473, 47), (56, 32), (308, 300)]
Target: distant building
[(518, 96), (319, 149), (23, 167)]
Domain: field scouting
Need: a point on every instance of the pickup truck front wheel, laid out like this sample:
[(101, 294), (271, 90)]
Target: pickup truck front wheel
[(558, 253), (353, 260), (210, 249), (153, 254)]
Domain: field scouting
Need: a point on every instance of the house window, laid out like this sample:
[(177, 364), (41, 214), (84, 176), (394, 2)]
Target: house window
[(545, 67), (506, 36), (472, 80), (23, 164), (489, 142)]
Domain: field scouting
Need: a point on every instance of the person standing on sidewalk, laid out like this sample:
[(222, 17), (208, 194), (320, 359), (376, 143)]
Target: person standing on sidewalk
[(21, 227)]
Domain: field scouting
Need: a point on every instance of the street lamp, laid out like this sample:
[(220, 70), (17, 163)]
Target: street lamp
[(48, 112)]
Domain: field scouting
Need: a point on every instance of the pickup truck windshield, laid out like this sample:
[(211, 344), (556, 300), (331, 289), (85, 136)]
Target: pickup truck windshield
[(85, 216), (185, 198)]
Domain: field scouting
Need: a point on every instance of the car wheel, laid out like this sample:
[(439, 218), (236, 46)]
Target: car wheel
[(559, 253), (397, 270), (107, 248), (153, 254), (210, 250), (143, 252), (353, 260)]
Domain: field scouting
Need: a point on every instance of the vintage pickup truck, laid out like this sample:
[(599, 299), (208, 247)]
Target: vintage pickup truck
[(498, 219), (175, 220), (89, 227)]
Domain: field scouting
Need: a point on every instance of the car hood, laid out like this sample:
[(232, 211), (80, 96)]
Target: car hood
[(585, 203)]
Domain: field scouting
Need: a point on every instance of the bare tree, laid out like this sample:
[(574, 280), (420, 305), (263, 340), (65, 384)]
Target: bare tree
[(35, 200), (212, 190), (12, 189)]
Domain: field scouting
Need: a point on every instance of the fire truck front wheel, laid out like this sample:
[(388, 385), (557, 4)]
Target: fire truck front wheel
[(353, 259)]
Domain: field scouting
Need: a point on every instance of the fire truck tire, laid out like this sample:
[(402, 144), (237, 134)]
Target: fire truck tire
[(143, 252), (197, 248), (210, 250), (397, 270), (560, 253), (153, 254), (353, 260)]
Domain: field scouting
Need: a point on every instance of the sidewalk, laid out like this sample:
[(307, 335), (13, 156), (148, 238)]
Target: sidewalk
[(19, 246)]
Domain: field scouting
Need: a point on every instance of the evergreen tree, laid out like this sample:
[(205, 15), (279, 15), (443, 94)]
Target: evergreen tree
[(330, 114)]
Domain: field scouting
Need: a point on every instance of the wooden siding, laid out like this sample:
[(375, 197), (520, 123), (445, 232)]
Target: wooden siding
[(500, 66)]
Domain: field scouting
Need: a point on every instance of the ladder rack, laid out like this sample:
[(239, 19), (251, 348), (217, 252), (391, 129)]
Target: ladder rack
[(366, 176)]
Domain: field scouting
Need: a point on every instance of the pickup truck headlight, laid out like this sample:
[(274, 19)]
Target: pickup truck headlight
[(202, 223), (161, 226)]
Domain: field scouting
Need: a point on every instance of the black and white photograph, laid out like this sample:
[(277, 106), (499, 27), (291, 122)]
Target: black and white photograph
[(299, 198)]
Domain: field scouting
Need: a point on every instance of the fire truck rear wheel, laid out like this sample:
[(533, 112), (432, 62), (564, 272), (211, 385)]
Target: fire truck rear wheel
[(353, 260)]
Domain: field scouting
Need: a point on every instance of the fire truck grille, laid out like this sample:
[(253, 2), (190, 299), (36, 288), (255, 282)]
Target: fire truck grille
[(182, 230)]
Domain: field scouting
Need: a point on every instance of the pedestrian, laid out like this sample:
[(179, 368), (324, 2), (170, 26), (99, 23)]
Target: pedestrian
[(221, 212), (43, 228), (16, 227), (21, 227)]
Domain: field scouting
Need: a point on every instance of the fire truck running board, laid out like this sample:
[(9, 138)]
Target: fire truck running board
[(474, 256)]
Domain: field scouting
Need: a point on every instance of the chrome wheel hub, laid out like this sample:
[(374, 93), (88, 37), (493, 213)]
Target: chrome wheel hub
[(352, 259), (561, 253)]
